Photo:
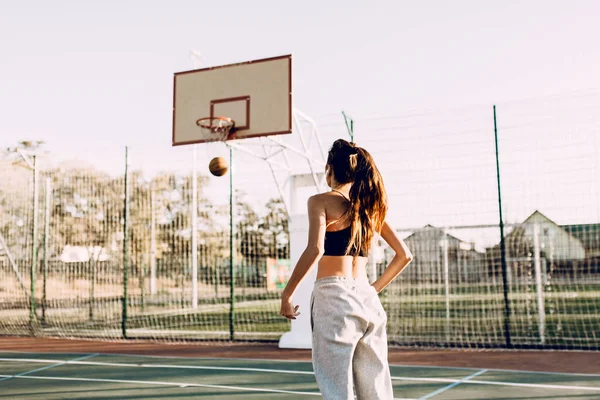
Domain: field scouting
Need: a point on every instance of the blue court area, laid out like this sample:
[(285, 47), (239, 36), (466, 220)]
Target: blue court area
[(101, 376)]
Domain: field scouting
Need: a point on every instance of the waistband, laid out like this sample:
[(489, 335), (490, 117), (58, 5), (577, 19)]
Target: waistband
[(362, 281)]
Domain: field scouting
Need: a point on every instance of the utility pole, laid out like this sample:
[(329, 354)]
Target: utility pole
[(29, 156)]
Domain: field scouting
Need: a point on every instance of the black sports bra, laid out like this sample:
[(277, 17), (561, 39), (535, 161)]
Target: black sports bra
[(336, 243)]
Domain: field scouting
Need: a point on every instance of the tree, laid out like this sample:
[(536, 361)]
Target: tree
[(250, 242), (15, 207), (16, 193), (275, 229)]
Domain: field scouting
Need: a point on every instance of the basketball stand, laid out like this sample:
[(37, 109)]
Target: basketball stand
[(248, 107)]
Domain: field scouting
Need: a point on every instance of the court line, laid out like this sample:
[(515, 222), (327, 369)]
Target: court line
[(300, 361), (165, 366), (517, 371), (441, 390), (535, 385), (270, 360), (498, 383), (435, 380), (431, 380), (175, 384), (56, 364)]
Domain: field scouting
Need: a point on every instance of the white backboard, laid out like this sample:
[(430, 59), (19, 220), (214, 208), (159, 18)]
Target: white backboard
[(257, 95)]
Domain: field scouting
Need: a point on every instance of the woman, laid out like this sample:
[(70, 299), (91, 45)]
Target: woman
[(348, 320)]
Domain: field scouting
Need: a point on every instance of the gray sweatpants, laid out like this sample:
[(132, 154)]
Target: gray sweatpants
[(349, 340)]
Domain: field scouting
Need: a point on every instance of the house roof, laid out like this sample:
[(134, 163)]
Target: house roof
[(588, 234), (538, 213), (431, 231)]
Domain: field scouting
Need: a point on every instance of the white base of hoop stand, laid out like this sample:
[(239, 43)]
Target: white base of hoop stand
[(300, 335)]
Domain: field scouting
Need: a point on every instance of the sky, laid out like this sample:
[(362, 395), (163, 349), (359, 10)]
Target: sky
[(418, 77)]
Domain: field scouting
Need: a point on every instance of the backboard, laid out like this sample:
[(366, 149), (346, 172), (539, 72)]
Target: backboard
[(257, 95)]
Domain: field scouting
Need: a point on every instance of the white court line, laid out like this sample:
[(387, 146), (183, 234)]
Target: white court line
[(536, 385), (177, 384), (56, 364), (270, 360), (434, 380), (441, 390), (128, 365), (517, 371), (297, 361), (498, 383)]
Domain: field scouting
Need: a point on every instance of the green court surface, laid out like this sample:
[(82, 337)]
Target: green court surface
[(102, 376)]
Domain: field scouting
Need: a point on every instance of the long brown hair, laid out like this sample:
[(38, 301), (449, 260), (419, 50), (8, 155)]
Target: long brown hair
[(368, 199)]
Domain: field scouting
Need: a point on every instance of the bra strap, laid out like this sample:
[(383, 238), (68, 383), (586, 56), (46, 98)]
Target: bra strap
[(342, 194)]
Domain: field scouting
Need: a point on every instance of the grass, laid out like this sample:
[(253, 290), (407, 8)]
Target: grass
[(415, 314)]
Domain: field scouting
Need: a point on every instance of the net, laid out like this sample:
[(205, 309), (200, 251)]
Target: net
[(218, 128), (453, 294), (92, 280), (101, 270)]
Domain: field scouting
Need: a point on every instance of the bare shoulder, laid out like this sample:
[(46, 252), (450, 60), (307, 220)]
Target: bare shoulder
[(329, 196), (325, 199), (316, 207), (319, 198), (316, 201)]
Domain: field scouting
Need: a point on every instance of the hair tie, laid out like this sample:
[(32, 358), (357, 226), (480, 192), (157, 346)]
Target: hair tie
[(353, 160)]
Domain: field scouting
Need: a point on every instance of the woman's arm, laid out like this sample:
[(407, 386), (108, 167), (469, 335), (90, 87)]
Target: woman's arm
[(317, 223), (402, 258)]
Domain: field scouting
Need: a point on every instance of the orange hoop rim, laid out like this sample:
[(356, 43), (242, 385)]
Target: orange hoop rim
[(208, 123), (217, 128)]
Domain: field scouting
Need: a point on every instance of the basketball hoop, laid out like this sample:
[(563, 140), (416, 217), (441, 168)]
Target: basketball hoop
[(218, 128)]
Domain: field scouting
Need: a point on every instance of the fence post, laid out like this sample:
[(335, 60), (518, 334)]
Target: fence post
[(231, 252), (34, 244), (217, 279), (538, 283), (142, 283), (92, 286), (349, 126), (194, 226), (46, 245), (507, 334), (153, 288), (446, 284), (243, 277), (125, 246)]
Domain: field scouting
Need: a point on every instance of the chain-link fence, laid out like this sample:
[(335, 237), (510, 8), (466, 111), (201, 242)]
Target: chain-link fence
[(110, 250)]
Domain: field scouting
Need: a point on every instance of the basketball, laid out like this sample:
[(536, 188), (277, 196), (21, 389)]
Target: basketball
[(218, 166)]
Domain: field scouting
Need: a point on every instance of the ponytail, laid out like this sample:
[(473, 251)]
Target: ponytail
[(368, 202)]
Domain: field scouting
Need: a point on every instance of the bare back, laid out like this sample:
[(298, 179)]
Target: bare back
[(335, 205)]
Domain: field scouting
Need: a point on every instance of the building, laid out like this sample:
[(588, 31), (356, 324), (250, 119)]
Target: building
[(563, 250), (435, 251)]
